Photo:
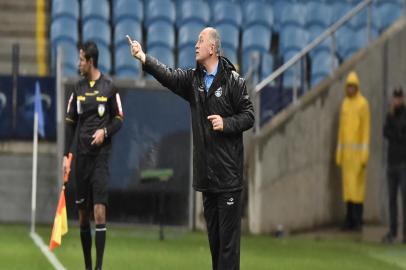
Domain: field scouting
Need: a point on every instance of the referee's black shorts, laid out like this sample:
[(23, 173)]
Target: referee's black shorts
[(92, 176)]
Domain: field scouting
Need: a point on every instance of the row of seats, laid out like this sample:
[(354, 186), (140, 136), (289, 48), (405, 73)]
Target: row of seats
[(166, 27), (304, 13)]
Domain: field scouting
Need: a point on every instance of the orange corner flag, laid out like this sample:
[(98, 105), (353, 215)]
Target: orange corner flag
[(60, 227), (60, 223)]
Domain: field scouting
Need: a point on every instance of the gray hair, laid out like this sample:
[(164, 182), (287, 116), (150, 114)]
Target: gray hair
[(215, 37)]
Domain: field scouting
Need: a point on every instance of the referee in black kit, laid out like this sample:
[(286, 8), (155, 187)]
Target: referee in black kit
[(221, 110), (94, 109)]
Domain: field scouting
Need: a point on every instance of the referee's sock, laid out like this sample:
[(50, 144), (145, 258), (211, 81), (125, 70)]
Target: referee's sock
[(100, 243), (86, 238)]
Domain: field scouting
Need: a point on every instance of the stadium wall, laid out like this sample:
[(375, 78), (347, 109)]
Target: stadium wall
[(293, 179)]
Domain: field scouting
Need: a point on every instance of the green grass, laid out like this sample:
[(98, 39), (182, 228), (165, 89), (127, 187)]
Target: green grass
[(140, 248)]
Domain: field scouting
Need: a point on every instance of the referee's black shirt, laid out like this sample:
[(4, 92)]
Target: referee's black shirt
[(93, 105)]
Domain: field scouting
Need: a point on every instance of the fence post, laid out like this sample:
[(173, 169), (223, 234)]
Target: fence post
[(15, 71)]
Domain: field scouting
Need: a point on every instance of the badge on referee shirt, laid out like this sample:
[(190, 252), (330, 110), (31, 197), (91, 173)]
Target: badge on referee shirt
[(101, 109)]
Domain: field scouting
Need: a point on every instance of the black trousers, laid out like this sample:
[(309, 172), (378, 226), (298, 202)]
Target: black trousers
[(396, 180), (222, 212)]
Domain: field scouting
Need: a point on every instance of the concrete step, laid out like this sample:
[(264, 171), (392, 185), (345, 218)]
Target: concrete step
[(21, 163), (13, 5), (24, 16), (15, 197), (25, 68), (16, 186), (28, 47)]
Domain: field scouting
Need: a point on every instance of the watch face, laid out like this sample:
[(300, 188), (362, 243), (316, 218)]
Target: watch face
[(101, 109)]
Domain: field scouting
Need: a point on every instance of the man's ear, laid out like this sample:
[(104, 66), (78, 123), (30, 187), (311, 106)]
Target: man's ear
[(212, 50)]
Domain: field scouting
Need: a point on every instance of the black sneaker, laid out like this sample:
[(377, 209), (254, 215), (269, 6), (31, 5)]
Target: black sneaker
[(388, 239)]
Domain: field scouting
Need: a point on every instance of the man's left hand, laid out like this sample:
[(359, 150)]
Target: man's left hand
[(98, 137), (216, 121)]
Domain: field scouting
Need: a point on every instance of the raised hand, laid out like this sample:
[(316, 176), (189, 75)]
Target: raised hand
[(136, 49)]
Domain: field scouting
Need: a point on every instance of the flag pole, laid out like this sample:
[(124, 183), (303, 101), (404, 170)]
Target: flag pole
[(34, 173)]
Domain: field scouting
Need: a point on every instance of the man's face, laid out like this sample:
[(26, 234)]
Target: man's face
[(84, 65), (204, 47), (351, 90), (398, 101)]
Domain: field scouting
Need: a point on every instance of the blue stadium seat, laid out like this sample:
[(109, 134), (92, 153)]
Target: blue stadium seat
[(69, 71), (187, 57), (161, 33), (257, 13), (249, 58), (277, 7), (359, 41), (314, 32), (340, 8), (95, 9), (267, 64), (128, 9), (104, 62), (256, 37), (322, 66), (64, 28), (345, 37), (231, 55), (125, 66), (226, 12), (159, 10), (293, 38), (163, 54), (188, 34), (387, 12), (230, 35), (98, 31), (63, 8), (125, 27), (318, 14), (293, 14), (360, 21), (193, 11), (292, 76), (70, 57)]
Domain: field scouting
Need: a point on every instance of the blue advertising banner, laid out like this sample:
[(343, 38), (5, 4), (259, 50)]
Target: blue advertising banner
[(6, 109), (150, 160), (25, 107)]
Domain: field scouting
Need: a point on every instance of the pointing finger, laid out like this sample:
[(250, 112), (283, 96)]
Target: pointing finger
[(211, 117), (129, 40)]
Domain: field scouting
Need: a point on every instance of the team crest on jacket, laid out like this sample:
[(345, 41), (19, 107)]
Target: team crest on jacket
[(218, 92), (101, 109)]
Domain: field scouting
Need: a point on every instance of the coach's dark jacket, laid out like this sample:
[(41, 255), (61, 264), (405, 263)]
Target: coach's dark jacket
[(218, 156), (395, 132)]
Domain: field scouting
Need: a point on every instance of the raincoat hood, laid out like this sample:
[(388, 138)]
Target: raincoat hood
[(352, 79)]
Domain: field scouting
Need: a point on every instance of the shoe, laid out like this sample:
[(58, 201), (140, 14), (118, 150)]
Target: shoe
[(389, 239), (347, 226), (357, 228)]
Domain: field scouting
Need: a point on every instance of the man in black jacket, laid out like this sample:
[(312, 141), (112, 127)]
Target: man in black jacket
[(395, 133), (221, 110)]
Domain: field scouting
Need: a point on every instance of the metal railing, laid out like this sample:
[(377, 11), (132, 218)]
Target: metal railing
[(330, 32)]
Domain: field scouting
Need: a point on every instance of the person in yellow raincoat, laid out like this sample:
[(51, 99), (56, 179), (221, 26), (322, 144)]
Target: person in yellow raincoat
[(353, 150)]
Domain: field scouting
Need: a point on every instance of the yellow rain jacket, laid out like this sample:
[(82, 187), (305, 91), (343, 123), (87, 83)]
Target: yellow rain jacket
[(353, 143)]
